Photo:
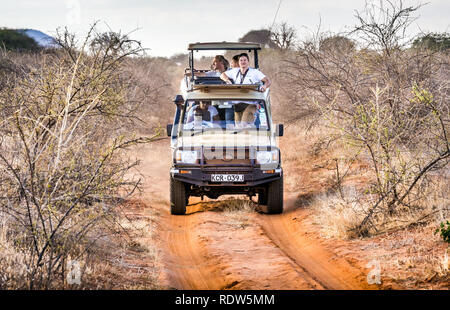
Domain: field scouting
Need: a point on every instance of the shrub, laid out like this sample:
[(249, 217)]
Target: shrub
[(444, 231), (62, 166), (388, 102)]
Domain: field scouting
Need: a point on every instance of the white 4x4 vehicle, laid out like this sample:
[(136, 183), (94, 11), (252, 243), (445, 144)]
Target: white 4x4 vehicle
[(213, 156)]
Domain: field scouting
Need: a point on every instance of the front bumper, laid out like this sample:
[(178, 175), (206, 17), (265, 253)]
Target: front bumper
[(202, 176)]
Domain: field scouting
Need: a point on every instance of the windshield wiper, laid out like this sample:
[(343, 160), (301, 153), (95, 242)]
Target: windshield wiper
[(244, 129), (195, 132)]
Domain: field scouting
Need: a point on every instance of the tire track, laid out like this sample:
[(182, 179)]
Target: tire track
[(329, 271), (188, 263)]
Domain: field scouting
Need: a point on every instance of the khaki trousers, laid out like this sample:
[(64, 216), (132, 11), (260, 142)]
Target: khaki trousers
[(248, 115)]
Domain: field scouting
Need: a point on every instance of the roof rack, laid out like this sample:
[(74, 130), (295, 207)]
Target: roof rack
[(206, 87), (224, 46)]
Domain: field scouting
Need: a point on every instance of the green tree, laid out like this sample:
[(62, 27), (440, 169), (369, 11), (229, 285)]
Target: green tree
[(433, 41), (15, 40), (262, 36)]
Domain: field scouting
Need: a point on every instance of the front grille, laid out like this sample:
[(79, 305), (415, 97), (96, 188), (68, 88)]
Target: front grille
[(228, 162), (228, 171), (229, 153), (228, 157)]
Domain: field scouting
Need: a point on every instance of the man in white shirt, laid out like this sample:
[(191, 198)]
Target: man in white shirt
[(245, 75)]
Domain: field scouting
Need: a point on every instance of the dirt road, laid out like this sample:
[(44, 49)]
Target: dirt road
[(218, 247)]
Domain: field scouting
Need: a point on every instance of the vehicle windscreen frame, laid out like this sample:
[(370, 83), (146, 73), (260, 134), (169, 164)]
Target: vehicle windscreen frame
[(183, 117)]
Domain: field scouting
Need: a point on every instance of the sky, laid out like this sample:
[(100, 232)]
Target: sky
[(167, 27)]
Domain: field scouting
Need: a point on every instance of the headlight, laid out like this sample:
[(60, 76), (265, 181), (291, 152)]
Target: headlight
[(266, 157), (187, 157)]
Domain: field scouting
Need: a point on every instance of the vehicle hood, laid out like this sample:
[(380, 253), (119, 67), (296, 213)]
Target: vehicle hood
[(226, 140)]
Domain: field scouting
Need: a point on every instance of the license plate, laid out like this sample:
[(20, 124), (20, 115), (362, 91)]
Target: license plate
[(227, 178)]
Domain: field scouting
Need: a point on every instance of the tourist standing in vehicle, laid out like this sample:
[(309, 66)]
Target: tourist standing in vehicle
[(219, 65), (235, 61), (245, 75), (245, 113), (229, 112)]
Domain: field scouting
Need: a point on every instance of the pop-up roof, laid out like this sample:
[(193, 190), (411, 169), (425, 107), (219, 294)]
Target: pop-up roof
[(224, 46), (205, 46)]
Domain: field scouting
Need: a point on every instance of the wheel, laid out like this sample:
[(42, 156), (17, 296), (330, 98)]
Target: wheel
[(275, 197), (262, 198), (178, 197)]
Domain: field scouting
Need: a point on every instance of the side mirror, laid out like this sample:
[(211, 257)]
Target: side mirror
[(279, 130), (169, 129), (178, 100)]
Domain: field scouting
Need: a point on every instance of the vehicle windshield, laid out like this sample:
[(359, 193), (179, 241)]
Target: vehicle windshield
[(225, 115)]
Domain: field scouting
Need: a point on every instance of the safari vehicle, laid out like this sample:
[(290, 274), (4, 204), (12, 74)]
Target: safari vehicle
[(215, 157)]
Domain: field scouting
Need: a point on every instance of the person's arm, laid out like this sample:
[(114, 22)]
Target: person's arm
[(214, 113), (266, 82), (225, 77), (228, 75)]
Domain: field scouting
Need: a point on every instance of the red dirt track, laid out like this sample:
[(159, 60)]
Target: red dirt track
[(209, 248)]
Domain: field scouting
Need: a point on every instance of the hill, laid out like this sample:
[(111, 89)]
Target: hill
[(25, 39)]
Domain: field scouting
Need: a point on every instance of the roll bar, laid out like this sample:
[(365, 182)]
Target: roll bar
[(210, 46)]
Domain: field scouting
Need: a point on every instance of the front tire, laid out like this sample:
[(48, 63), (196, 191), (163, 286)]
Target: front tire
[(262, 198), (178, 197), (275, 197)]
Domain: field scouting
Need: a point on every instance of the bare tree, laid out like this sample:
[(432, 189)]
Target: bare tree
[(284, 36), (383, 24)]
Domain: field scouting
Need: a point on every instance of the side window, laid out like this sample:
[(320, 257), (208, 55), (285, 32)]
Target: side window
[(268, 110), (262, 116), (188, 112)]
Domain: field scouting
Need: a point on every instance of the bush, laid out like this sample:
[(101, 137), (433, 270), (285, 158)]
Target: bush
[(63, 170), (389, 103), (444, 231)]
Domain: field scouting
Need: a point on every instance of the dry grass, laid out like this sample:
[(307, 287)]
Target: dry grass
[(340, 216), (130, 260), (311, 155), (236, 212), (336, 216), (411, 256), (13, 262), (414, 258)]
